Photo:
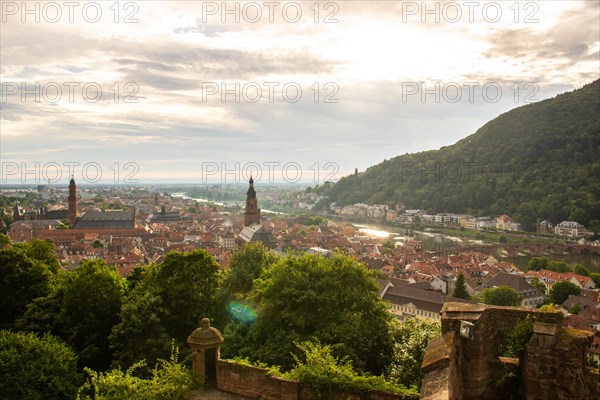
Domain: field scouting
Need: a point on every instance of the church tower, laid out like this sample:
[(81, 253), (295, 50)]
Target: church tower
[(252, 213), (72, 212)]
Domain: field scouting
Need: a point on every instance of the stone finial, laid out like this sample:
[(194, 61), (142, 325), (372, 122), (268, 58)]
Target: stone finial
[(205, 335)]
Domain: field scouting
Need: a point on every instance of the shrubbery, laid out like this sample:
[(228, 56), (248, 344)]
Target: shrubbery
[(34, 368), (326, 374), (410, 341), (169, 380)]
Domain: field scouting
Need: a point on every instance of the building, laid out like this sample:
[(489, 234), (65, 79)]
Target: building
[(37, 214), (25, 231), (165, 216), (468, 222), (549, 278), (532, 297), (545, 227), (252, 213), (412, 301), (570, 229), (106, 220), (116, 223), (72, 211), (227, 240), (502, 221), (253, 231)]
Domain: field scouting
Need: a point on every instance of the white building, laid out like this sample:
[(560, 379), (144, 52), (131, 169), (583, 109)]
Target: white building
[(570, 229)]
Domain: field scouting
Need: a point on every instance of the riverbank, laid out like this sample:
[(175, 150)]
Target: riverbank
[(441, 238)]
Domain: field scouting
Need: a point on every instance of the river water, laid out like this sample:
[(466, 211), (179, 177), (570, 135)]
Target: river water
[(437, 241)]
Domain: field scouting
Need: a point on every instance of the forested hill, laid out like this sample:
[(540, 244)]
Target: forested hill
[(534, 162)]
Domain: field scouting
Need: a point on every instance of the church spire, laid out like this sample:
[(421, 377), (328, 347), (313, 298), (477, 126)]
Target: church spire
[(252, 213), (72, 211)]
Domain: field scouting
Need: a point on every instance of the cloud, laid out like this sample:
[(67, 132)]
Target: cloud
[(560, 42), (366, 57)]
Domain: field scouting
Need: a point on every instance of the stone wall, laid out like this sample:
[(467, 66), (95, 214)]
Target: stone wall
[(441, 363), (458, 367), (554, 365), (254, 383)]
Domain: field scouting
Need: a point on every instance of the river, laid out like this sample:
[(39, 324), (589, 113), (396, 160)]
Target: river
[(184, 196), (437, 241)]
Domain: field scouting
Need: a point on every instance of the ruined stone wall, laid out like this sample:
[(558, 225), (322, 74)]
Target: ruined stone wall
[(480, 368), (554, 366), (470, 368), (441, 363)]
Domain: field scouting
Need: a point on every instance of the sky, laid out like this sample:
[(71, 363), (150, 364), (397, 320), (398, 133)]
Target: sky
[(306, 91)]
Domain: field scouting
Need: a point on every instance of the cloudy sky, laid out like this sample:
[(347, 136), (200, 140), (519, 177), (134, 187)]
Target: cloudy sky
[(159, 91)]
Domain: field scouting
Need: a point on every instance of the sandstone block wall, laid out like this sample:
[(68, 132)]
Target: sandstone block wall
[(553, 366)]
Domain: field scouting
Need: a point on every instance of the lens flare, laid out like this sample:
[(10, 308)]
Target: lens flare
[(241, 312)]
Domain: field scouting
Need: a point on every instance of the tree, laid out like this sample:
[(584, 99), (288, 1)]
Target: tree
[(596, 278), (561, 291), (559, 266), (389, 244), (90, 309), (581, 270), (460, 288), (245, 266), (527, 216), (36, 368), (501, 296), (142, 334), (4, 240), (81, 309), (23, 279), (411, 338), (315, 220), (537, 263), (594, 226), (136, 276), (538, 284), (41, 250), (547, 307), (43, 313), (333, 300), (167, 304), (575, 308)]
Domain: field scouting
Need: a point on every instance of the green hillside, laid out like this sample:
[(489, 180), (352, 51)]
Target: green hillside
[(534, 162)]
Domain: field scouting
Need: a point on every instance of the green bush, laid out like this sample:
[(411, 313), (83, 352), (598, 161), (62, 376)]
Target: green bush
[(411, 340), (33, 368), (326, 374), (169, 380), (509, 384), (517, 338)]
